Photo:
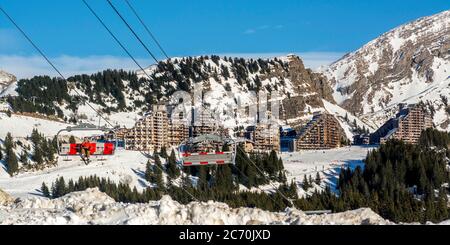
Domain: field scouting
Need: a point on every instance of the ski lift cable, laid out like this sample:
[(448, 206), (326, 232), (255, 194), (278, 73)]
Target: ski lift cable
[(57, 70), (48, 60), (132, 30), (147, 29), (116, 39), (262, 173), (129, 54)]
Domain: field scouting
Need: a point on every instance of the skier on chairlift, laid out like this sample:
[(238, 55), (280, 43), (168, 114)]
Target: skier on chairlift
[(86, 149)]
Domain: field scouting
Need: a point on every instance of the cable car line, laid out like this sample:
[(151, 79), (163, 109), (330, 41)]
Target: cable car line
[(147, 29), (132, 30), (123, 47), (116, 39), (129, 54), (271, 198), (56, 69), (31, 41), (48, 60), (262, 172)]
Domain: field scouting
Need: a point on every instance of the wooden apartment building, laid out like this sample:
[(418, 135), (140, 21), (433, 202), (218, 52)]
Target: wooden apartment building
[(408, 124), (322, 132), (155, 131)]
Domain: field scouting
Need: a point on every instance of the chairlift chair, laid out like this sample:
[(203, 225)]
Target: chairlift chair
[(192, 153), (98, 150)]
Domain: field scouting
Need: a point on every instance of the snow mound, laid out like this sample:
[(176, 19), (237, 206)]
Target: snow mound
[(94, 207), (5, 198)]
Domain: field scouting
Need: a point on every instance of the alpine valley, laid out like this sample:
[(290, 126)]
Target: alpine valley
[(363, 90)]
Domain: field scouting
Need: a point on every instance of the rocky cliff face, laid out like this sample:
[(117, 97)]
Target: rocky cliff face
[(408, 64), (6, 80), (309, 90)]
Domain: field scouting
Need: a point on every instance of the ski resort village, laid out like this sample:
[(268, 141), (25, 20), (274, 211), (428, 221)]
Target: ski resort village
[(238, 141)]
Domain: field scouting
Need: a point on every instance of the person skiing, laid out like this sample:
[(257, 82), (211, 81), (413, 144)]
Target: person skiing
[(86, 149)]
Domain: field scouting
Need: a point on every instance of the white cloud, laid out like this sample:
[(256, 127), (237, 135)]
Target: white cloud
[(29, 66), (315, 60), (250, 31), (261, 28)]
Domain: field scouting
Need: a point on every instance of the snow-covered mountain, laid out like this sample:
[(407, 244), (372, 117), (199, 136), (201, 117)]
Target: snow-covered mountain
[(93, 207), (406, 65), (232, 80), (6, 80), (123, 97)]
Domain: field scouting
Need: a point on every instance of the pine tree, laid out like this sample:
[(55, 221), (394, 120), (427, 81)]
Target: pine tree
[(48, 150), (203, 178), (37, 140), (163, 152), (293, 190), (149, 171), (59, 188), (282, 177), (318, 179), (38, 155), (9, 144), (443, 204), (158, 174), (54, 144), (423, 180), (305, 183), (24, 157), (224, 178), (172, 169), (12, 164), (45, 191)]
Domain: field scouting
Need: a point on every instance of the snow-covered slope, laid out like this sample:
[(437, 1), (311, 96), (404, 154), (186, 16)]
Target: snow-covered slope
[(94, 207), (124, 167), (406, 65), (22, 126), (327, 163)]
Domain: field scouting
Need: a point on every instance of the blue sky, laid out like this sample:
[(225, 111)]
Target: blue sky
[(319, 30)]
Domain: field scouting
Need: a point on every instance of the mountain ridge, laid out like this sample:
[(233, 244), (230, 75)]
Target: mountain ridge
[(408, 64), (230, 80)]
